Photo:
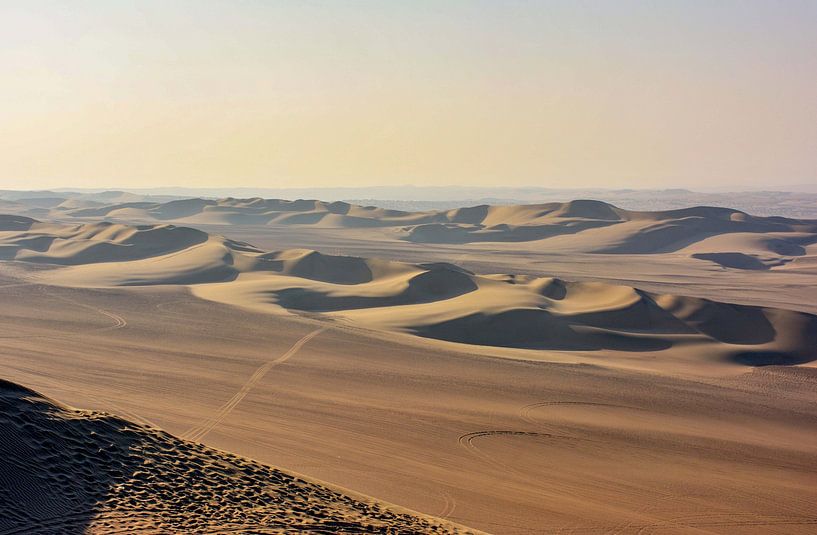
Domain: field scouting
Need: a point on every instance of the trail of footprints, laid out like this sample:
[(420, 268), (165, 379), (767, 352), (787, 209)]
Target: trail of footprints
[(66, 471)]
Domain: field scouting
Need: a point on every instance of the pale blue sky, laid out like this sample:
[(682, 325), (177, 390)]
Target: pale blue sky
[(615, 94)]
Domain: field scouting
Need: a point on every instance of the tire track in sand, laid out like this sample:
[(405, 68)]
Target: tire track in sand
[(119, 322), (449, 504), (525, 412), (467, 442), (198, 432)]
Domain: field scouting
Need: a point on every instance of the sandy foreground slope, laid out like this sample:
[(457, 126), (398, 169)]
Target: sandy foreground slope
[(681, 437), (67, 470)]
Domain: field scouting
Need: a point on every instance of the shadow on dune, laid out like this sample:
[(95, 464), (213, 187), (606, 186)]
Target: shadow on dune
[(457, 234), (427, 287), (320, 267), (768, 358), (668, 235), (107, 242), (15, 223), (55, 468), (339, 207), (728, 323), (733, 260), (536, 329), (643, 315)]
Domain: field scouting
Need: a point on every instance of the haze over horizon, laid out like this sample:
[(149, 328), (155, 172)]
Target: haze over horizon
[(553, 94), (408, 267)]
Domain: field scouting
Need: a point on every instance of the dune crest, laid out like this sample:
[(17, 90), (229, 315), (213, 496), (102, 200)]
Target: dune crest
[(722, 237)]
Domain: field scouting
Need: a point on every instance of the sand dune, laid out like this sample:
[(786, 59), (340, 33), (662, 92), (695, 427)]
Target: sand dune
[(529, 313), (64, 470), (721, 236), (248, 211), (439, 301), (31, 241)]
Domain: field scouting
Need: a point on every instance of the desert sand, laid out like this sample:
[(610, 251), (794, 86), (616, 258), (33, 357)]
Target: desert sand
[(591, 226), (618, 372), (435, 300), (67, 470), (713, 249)]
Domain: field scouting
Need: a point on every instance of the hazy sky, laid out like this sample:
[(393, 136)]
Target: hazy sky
[(305, 93)]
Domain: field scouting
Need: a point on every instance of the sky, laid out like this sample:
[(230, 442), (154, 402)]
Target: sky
[(304, 93)]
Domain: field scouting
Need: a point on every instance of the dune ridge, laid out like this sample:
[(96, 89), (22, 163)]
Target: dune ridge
[(724, 237), (440, 301), (68, 470)]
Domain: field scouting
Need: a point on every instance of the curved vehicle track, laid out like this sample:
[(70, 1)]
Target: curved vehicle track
[(198, 432), (449, 505), (467, 442), (525, 412), (119, 322)]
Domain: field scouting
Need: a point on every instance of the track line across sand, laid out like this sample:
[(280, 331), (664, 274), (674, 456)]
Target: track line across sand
[(119, 321), (704, 522), (524, 412), (198, 432), (106, 404), (450, 503), (467, 442), (118, 410)]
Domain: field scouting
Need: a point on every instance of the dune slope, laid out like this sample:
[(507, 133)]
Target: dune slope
[(66, 470)]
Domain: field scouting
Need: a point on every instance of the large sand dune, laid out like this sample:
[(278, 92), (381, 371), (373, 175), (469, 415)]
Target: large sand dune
[(438, 300), (89, 243), (64, 470)]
